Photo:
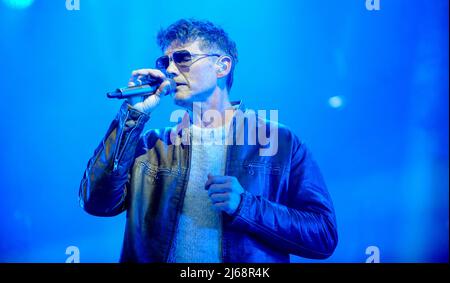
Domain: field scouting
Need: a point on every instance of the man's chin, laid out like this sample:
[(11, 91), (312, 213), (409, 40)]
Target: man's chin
[(186, 99), (182, 98), (181, 95)]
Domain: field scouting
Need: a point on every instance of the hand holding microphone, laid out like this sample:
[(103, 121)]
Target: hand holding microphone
[(145, 88)]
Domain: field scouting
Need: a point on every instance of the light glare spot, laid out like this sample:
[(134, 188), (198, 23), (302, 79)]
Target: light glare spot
[(18, 4), (336, 101)]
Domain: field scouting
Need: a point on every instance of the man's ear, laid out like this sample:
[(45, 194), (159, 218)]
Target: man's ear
[(223, 66)]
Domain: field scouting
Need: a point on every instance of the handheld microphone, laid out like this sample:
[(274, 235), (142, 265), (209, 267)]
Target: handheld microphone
[(147, 89)]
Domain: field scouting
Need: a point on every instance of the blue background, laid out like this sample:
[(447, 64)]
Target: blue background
[(383, 151)]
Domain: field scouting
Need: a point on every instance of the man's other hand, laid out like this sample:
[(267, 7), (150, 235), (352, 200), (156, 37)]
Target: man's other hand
[(224, 192)]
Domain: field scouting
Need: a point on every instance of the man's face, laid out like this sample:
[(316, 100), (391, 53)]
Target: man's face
[(198, 81)]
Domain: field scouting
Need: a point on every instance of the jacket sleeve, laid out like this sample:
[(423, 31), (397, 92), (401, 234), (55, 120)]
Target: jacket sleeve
[(103, 189), (306, 226)]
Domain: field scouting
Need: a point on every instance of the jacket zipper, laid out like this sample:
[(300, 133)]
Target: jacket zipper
[(116, 161), (120, 151)]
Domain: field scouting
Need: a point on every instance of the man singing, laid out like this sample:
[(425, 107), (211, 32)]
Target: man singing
[(207, 189)]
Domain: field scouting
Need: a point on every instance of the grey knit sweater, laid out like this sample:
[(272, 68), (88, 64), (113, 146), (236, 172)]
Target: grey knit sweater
[(198, 236)]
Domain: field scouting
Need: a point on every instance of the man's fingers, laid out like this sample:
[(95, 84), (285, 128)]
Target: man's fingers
[(141, 76), (218, 188), (163, 88), (216, 180), (220, 197), (223, 206), (148, 72)]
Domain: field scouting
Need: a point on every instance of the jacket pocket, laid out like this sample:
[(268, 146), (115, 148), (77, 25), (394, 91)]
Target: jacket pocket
[(156, 173), (261, 178), (253, 168)]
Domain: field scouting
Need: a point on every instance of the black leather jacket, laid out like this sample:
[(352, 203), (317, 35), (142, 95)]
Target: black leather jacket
[(286, 208)]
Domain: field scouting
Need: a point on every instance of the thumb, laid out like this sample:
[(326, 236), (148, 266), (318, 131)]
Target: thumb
[(163, 88), (209, 181)]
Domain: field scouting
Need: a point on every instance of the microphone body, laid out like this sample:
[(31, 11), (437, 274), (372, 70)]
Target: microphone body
[(147, 89)]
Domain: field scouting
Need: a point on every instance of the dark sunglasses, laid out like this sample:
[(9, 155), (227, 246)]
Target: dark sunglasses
[(182, 58)]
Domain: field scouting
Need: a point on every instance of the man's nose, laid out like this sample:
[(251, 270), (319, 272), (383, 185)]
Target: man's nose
[(172, 69)]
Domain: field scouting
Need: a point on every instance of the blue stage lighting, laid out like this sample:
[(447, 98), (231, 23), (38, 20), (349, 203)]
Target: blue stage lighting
[(18, 4), (336, 101)]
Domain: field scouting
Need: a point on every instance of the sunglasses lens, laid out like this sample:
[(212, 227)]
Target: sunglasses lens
[(162, 62), (182, 57)]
